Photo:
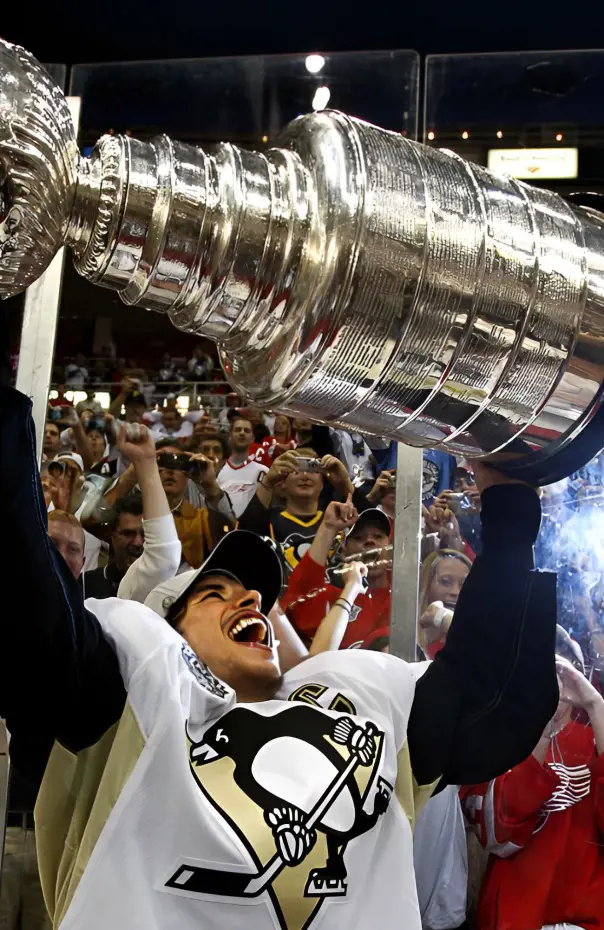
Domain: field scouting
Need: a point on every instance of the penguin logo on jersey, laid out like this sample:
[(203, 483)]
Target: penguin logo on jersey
[(296, 787), (295, 547)]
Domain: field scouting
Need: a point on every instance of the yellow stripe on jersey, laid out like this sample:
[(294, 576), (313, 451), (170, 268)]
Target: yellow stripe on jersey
[(77, 796), (412, 797)]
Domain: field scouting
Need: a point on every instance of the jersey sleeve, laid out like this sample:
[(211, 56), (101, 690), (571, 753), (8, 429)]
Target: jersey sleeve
[(492, 689), (59, 677), (159, 561), (255, 517), (134, 631)]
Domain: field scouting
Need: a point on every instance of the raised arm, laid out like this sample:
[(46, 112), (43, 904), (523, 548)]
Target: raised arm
[(331, 630), (482, 705), (162, 550), (115, 408), (79, 436), (59, 678), (337, 518)]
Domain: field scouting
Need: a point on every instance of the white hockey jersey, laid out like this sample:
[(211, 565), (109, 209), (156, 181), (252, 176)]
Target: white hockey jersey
[(183, 815)]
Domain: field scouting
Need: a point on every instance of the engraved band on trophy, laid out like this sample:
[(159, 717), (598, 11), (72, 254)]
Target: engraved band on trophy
[(349, 274)]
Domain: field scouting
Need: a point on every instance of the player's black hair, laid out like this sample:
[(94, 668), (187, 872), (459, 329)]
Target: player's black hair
[(175, 611)]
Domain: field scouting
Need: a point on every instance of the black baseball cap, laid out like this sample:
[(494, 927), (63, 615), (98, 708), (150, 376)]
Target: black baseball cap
[(250, 559), (373, 517)]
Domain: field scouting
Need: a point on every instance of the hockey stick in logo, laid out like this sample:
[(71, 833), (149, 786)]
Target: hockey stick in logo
[(236, 884)]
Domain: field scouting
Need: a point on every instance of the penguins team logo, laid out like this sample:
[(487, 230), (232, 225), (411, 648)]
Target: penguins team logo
[(296, 787), (294, 548), (430, 476)]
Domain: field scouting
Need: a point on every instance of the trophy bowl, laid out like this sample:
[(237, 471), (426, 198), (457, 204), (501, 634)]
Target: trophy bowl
[(348, 275)]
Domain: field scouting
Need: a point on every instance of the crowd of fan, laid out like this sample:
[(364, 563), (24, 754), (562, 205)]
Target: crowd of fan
[(326, 498), (170, 375)]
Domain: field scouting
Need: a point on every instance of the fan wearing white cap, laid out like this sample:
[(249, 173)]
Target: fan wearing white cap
[(193, 784)]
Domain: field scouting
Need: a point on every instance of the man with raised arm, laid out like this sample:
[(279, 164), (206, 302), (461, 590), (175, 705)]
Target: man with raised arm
[(191, 784)]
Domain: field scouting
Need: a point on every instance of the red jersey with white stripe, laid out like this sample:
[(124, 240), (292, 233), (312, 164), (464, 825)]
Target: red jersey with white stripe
[(544, 828), (371, 611)]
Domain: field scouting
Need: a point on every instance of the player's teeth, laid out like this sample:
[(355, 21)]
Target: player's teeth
[(247, 621)]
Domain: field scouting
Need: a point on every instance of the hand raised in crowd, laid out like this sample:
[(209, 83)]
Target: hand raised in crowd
[(204, 473), (435, 621), (455, 502), (384, 485), (135, 443), (65, 485), (285, 465), (575, 689), (440, 518), (334, 471), (127, 385), (69, 417), (354, 578), (339, 516)]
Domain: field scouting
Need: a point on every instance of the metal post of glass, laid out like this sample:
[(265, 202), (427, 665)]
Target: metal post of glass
[(407, 551)]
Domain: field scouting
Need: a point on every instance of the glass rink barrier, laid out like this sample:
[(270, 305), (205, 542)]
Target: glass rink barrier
[(463, 788), (535, 835)]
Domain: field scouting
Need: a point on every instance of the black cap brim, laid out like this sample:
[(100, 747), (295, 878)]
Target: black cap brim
[(375, 517), (251, 559)]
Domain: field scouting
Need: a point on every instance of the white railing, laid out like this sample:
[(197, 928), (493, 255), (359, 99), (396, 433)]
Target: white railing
[(189, 393)]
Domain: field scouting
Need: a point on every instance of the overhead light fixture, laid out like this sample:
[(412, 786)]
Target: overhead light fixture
[(314, 63), (499, 134), (321, 98), (559, 137), (431, 136), (265, 138), (465, 134)]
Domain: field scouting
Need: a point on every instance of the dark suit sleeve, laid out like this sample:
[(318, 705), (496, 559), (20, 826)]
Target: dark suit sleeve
[(485, 700), (59, 677), (256, 518)]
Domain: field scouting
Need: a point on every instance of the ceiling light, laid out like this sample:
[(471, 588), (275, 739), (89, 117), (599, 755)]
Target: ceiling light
[(321, 98), (314, 63)]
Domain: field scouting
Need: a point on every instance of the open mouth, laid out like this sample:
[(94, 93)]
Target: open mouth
[(249, 628)]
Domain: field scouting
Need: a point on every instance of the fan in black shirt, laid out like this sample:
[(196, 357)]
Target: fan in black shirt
[(300, 477)]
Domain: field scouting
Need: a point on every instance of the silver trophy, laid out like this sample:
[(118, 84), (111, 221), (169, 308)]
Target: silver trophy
[(348, 275)]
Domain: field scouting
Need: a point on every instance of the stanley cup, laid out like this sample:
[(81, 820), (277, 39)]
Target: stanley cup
[(348, 275)]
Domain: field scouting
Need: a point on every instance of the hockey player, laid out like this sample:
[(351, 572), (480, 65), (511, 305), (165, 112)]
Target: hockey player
[(188, 783)]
